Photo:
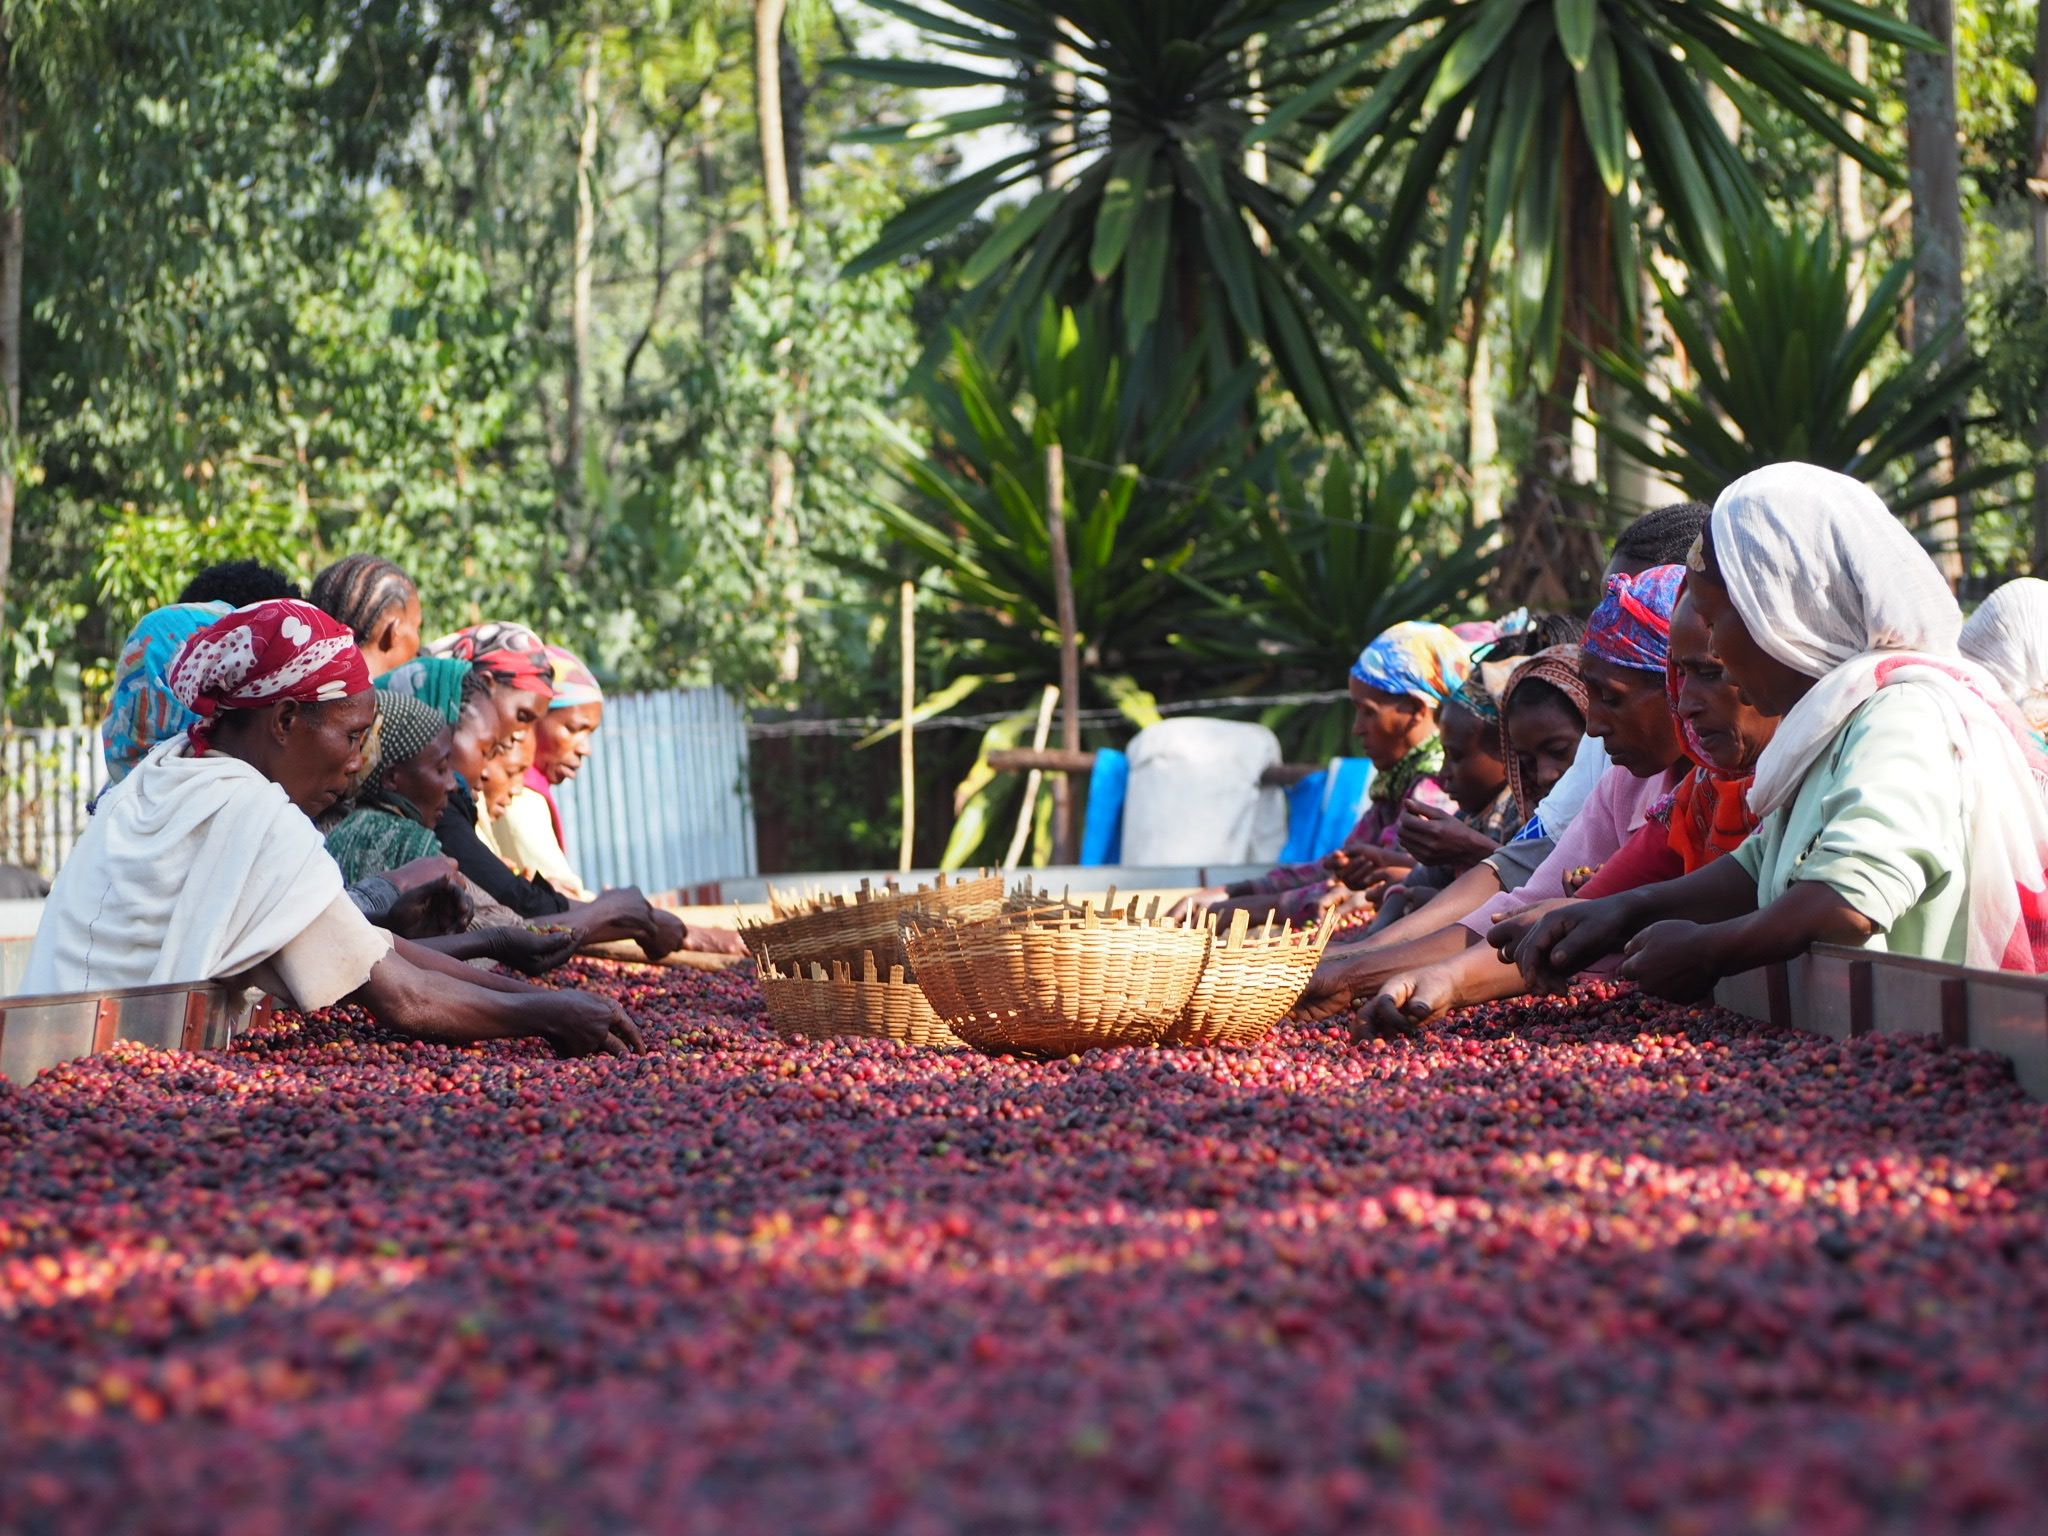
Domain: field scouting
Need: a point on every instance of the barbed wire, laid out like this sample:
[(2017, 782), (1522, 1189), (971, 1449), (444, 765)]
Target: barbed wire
[(769, 730)]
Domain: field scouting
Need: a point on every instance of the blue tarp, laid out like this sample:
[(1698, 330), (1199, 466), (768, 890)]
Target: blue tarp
[(1324, 807), (1102, 835)]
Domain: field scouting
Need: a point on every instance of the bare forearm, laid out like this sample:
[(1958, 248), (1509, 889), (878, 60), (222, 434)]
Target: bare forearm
[(429, 1004), (1809, 913), (439, 961), (1462, 897), (1721, 892)]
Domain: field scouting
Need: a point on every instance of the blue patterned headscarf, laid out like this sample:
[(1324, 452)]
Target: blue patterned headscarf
[(143, 712), (1632, 626), (1423, 661)]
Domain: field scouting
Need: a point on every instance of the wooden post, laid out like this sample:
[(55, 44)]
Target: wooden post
[(906, 752), (1029, 813), (1065, 850)]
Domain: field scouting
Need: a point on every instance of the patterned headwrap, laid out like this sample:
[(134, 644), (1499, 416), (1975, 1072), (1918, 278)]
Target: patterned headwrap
[(1482, 689), (1559, 667), (433, 680), (143, 711), (1424, 661), (410, 725), (574, 682), (265, 654), (512, 649), (1632, 626)]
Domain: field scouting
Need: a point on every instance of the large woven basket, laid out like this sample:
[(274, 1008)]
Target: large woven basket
[(1250, 982), (1053, 982), (841, 930), (843, 1001)]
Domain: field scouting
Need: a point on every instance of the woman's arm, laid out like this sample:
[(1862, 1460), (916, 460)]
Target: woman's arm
[(1460, 898), (431, 997), (1682, 960), (1343, 980), (1576, 935), (1407, 1002)]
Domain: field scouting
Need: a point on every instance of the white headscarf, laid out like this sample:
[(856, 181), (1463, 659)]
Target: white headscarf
[(1832, 585), (2008, 637)]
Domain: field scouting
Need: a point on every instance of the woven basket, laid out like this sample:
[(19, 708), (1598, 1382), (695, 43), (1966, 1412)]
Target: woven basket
[(843, 930), (1052, 982), (1250, 982), (840, 1002)]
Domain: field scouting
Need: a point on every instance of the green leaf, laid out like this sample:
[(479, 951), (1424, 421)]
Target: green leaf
[(915, 74), (1010, 237), (1575, 25), (1474, 48), (1601, 110), (1123, 195), (934, 704)]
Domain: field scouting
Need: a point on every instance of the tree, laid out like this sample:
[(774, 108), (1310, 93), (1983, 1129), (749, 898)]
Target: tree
[(1529, 138), (1150, 108), (1934, 176)]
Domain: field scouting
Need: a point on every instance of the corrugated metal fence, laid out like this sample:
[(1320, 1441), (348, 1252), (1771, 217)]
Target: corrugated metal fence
[(47, 779), (663, 801)]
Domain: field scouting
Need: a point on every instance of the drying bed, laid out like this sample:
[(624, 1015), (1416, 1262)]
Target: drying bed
[(1561, 1266)]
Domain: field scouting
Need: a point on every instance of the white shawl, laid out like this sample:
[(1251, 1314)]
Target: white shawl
[(2008, 637), (1832, 585), (191, 869)]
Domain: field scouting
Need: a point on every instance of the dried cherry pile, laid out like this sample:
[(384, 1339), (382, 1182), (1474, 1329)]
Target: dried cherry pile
[(1597, 1265)]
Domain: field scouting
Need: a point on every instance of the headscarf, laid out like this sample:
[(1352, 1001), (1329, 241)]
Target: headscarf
[(435, 681), (574, 683), (1481, 691), (502, 647), (1828, 582), (1423, 661), (265, 654), (143, 711), (1632, 626), (2008, 637), (1559, 667), (410, 726)]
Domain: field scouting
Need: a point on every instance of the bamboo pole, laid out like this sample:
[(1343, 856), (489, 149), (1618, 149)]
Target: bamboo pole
[(906, 752), (1030, 808), (1064, 851)]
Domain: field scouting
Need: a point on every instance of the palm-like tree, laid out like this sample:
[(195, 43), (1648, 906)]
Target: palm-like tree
[(1142, 111)]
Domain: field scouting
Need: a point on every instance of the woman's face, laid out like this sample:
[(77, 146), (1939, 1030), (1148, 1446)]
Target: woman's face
[(1473, 770), (1545, 734), (1765, 682), (1731, 732), (1630, 711), (563, 738), (318, 748), (429, 778), (518, 712), (397, 639), (476, 739), (1388, 726)]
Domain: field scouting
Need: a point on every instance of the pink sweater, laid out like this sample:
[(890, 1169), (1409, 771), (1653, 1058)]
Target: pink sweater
[(1620, 803)]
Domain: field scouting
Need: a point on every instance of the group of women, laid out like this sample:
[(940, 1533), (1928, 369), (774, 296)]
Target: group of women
[(1775, 730), (306, 799)]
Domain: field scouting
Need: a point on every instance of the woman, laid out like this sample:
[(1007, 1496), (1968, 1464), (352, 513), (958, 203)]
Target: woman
[(2008, 637), (1623, 667), (1703, 820), (529, 832), (1398, 685), (379, 602), (393, 819), (204, 865), (144, 712), (1902, 794)]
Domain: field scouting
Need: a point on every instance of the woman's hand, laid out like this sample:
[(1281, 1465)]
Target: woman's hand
[(1197, 902), (1570, 937), (435, 866), (531, 951), (1506, 935), (714, 941), (584, 1024), (1577, 880), (1365, 868), (1437, 837), (1675, 960), (1406, 1003), (431, 910)]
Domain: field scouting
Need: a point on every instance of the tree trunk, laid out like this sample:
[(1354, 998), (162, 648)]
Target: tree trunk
[(1556, 546), (1853, 212), (13, 241), (575, 479), (795, 95), (768, 115), (1934, 178), (780, 529), (2037, 185), (1482, 443)]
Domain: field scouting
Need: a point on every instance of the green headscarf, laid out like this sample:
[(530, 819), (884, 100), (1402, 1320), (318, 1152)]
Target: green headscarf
[(433, 680)]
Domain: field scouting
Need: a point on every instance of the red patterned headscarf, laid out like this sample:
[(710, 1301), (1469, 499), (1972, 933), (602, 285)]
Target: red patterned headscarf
[(262, 655), (1632, 626), (512, 649)]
